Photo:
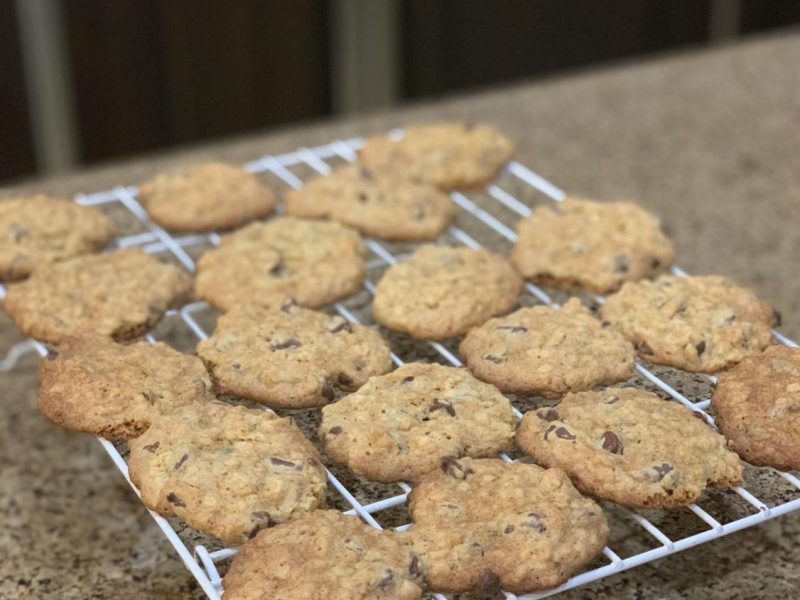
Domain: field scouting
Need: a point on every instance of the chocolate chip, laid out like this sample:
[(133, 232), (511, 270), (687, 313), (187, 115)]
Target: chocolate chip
[(700, 347), (327, 390), (281, 462), (344, 379), (611, 442), (288, 305), (365, 173), (776, 317), (509, 528), (387, 582), (492, 358), (343, 326), (263, 520), (644, 348), (548, 414), (605, 323), (621, 264), (442, 405), (335, 430), (279, 269), (408, 379), (658, 472), (290, 343), (611, 400), (182, 461), (536, 522), (488, 582), (560, 431), (452, 467), (413, 567), (237, 366), (151, 447), (513, 328), (173, 498), (655, 263)]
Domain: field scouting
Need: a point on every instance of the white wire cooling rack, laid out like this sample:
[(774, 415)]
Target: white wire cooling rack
[(655, 536)]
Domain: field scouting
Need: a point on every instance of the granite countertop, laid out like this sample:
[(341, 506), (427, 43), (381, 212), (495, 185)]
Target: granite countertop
[(709, 140)]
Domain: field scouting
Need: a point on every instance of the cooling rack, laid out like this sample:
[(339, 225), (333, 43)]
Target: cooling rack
[(485, 218)]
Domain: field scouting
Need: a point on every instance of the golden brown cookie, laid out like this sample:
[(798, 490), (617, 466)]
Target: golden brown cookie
[(119, 294), (291, 357), (314, 262), (445, 155), (442, 291), (381, 206), (206, 196), (325, 556), (398, 426), (482, 524), (40, 230), (95, 385), (547, 351), (757, 407), (630, 446), (227, 470), (698, 324), (597, 245)]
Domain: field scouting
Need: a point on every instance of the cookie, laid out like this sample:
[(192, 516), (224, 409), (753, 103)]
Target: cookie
[(547, 351), (120, 294), (97, 386), (40, 230), (385, 207), (698, 324), (324, 556), (443, 291), (757, 407), (398, 426), (630, 446), (446, 155), (291, 357), (482, 524), (205, 197), (596, 245), (227, 470), (314, 262)]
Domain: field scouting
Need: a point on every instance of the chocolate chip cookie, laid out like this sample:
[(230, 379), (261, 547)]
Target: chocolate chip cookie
[(291, 357), (698, 324), (382, 206), (40, 230), (630, 446), (95, 385), (757, 407), (205, 197), (596, 245), (483, 524), (314, 262), (398, 426), (443, 291), (325, 556), (227, 470), (445, 155), (548, 351), (119, 294)]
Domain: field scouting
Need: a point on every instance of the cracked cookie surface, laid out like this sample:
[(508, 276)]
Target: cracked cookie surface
[(597, 245), (227, 470), (445, 155), (325, 556), (757, 407), (398, 426), (482, 524), (630, 446), (443, 291), (548, 351), (698, 324), (95, 385), (120, 294), (40, 230), (314, 262), (206, 196), (291, 357), (380, 206)]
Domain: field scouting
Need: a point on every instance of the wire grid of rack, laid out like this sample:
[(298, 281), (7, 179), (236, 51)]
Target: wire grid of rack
[(483, 211)]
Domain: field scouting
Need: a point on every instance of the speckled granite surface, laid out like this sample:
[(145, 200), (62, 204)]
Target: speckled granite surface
[(709, 141)]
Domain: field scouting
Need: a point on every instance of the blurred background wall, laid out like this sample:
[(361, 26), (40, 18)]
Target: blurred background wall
[(83, 81)]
